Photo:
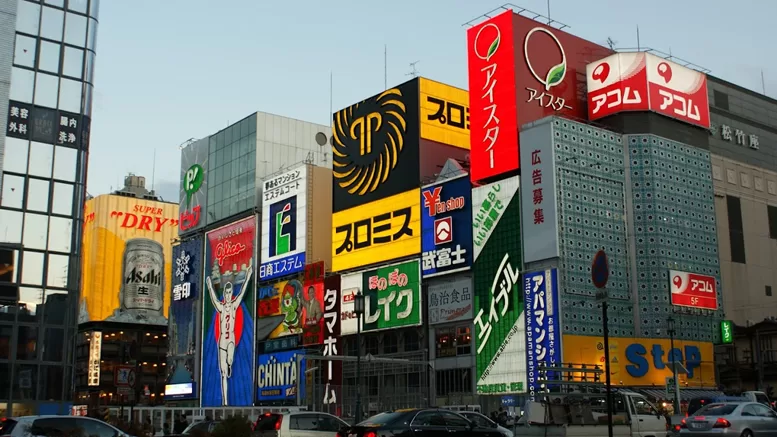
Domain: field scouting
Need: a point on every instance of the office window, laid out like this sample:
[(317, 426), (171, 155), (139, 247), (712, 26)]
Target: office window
[(721, 100), (772, 212), (735, 230)]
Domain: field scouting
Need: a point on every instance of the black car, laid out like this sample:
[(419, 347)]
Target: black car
[(419, 422)]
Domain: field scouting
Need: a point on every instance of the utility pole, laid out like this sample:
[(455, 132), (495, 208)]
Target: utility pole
[(670, 326)]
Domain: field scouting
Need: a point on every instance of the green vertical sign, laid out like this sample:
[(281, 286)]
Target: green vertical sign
[(500, 329), (392, 296), (727, 331)]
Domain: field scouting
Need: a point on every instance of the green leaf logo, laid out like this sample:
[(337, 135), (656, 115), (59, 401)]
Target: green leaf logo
[(192, 181), (492, 48), (555, 75)]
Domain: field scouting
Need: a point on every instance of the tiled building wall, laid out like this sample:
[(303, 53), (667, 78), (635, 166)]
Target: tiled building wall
[(589, 174), (674, 228)]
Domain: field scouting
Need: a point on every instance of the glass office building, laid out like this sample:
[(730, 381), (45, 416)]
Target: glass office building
[(47, 56)]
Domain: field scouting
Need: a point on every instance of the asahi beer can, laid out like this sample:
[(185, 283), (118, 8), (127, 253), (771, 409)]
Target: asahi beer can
[(144, 277)]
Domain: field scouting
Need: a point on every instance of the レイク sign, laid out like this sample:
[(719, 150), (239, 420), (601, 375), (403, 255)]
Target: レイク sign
[(693, 290), (493, 128), (726, 331), (543, 336)]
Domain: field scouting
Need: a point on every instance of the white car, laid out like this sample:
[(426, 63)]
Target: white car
[(483, 421), (299, 424), (46, 426)]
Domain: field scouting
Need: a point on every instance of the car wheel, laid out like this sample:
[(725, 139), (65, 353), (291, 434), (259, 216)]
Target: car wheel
[(747, 433)]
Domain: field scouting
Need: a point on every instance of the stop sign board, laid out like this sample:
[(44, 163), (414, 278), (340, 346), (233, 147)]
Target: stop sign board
[(600, 270)]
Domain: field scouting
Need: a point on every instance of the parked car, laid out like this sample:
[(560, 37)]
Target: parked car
[(745, 419), (298, 424), (57, 426), (205, 426), (483, 421), (425, 422)]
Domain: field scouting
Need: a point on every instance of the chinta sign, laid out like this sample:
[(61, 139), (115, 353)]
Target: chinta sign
[(498, 304)]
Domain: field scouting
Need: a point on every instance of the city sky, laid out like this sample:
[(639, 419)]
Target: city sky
[(179, 69)]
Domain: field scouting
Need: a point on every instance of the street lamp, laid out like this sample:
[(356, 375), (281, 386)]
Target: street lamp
[(358, 309), (670, 330)]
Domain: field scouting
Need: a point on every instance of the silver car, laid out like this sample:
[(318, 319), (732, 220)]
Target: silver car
[(745, 419)]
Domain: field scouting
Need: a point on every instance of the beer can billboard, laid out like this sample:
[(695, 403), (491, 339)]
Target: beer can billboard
[(500, 331), (127, 259), (184, 327), (228, 315)]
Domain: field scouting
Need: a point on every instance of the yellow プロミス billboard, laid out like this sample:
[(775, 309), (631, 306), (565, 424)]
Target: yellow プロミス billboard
[(377, 231), (126, 267), (644, 361), (444, 114)]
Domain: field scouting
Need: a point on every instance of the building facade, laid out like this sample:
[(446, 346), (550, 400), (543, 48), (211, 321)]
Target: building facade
[(647, 201), (46, 88), (743, 142)]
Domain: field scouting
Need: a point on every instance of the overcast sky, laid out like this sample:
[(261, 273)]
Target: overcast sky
[(171, 70)]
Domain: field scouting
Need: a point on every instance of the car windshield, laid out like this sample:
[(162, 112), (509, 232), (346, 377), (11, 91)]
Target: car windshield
[(383, 418), (717, 410)]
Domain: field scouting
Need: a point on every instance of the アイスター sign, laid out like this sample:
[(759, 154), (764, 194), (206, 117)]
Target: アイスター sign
[(494, 121), (378, 231)]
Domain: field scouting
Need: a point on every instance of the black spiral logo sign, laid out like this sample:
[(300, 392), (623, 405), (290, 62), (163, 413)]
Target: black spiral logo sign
[(368, 139)]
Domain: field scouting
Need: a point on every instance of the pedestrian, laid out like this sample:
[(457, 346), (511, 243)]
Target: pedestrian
[(502, 417), (180, 424)]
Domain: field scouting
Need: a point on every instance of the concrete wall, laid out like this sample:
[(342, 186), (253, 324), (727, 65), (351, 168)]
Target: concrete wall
[(744, 285)]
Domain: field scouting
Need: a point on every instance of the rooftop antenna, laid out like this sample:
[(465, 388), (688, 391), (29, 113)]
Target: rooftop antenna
[(763, 83), (413, 71), (638, 37), (153, 171), (549, 20), (385, 66)]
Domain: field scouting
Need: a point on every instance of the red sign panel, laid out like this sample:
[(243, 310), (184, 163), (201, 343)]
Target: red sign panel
[(643, 81), (492, 103), (617, 83), (525, 69), (678, 92), (549, 69), (693, 290)]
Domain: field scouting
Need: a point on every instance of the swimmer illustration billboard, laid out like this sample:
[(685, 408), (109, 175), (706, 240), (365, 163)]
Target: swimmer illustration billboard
[(228, 315)]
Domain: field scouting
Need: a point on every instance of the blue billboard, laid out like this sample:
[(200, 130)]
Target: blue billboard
[(446, 227), (543, 334), (184, 325), (277, 373)]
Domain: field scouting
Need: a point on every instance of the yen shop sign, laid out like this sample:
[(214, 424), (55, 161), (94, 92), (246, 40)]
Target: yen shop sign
[(446, 220)]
